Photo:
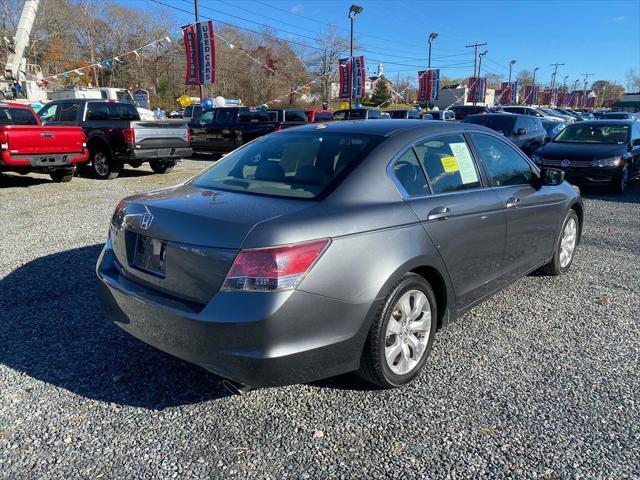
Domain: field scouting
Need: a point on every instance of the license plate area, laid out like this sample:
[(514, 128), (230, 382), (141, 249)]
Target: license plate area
[(150, 255)]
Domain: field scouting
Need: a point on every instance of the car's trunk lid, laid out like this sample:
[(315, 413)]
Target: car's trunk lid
[(182, 241)]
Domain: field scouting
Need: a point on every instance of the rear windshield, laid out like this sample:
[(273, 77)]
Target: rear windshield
[(17, 116), (300, 165), (111, 111), (613, 134), (398, 113), (499, 123)]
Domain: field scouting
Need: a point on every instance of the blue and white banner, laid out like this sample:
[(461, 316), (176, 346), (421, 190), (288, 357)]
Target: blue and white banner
[(200, 48)]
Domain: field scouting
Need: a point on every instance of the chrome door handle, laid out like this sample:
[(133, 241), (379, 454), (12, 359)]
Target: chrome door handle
[(438, 213), (513, 202)]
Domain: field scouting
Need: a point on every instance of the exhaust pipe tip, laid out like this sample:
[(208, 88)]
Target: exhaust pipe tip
[(235, 388)]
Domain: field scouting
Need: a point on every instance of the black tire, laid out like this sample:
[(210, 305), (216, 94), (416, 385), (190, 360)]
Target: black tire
[(102, 165), (373, 364), (162, 166), (554, 267), (619, 184), (62, 175)]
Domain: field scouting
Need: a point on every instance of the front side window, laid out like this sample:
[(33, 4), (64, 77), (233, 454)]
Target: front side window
[(448, 163), (293, 165), (409, 174), (504, 165), (48, 113), (68, 112)]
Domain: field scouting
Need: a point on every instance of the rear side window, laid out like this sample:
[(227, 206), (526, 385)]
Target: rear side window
[(504, 165), (294, 116), (303, 165), (323, 116), (258, 116), (374, 114), (448, 163), (408, 173), (17, 116), (68, 112)]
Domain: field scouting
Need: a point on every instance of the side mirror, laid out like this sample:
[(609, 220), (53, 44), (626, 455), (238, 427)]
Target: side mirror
[(636, 141), (551, 176), (521, 131), (547, 139)]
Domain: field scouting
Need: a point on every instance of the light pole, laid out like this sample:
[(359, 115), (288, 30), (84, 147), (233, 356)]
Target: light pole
[(511, 63), (533, 81), (197, 14), (432, 37), (564, 90), (353, 11), (480, 55)]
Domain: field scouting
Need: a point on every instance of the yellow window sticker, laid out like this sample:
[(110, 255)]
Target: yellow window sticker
[(450, 164)]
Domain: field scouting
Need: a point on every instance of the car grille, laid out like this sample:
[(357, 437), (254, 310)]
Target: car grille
[(574, 163)]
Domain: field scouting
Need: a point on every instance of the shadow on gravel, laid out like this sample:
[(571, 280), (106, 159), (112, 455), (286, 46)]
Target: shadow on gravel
[(52, 329), (21, 181), (631, 195)]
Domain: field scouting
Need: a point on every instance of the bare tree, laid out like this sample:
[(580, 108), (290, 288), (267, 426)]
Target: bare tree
[(323, 61)]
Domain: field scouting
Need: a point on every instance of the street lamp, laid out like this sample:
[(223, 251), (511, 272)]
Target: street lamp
[(511, 63), (533, 80), (432, 37), (353, 11)]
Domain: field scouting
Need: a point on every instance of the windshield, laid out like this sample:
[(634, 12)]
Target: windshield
[(616, 116), (608, 134), (499, 123), (300, 165)]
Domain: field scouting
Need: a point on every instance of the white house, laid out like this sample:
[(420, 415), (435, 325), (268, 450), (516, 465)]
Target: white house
[(458, 95)]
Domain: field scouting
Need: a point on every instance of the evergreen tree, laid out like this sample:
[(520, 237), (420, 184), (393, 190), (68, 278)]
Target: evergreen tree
[(381, 92)]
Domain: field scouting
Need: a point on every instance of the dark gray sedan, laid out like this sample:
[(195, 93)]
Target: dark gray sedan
[(334, 247)]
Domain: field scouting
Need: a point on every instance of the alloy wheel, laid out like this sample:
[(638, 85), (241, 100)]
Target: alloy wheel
[(568, 242), (407, 333), (100, 164)]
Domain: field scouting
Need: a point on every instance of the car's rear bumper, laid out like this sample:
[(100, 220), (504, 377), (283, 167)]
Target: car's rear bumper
[(44, 161), (258, 339), (159, 153)]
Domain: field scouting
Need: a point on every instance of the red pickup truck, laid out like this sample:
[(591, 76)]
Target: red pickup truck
[(27, 146)]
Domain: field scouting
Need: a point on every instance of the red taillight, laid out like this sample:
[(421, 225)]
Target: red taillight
[(276, 268), (129, 136), (4, 140), (277, 127)]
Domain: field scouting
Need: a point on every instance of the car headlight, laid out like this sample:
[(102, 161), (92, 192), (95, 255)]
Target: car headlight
[(537, 158), (608, 162)]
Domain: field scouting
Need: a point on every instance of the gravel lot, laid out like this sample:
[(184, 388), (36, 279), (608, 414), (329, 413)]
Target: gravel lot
[(542, 381)]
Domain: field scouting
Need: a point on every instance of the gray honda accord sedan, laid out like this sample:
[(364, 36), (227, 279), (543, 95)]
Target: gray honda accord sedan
[(334, 247)]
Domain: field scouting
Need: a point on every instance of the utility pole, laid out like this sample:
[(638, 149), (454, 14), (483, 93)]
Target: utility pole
[(553, 81), (564, 91), (479, 69), (197, 12), (584, 91), (533, 82), (475, 64)]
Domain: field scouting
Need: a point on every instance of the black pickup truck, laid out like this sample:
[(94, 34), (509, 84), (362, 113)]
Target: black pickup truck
[(223, 129), (116, 136)]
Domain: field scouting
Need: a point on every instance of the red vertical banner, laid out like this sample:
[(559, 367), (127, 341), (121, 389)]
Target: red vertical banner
[(200, 49), (191, 49), (344, 69), (424, 85)]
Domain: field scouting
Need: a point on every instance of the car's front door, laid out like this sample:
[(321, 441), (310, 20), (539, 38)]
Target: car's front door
[(465, 220), (534, 212)]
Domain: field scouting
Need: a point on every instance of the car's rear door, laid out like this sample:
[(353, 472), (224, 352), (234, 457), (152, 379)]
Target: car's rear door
[(534, 212), (465, 220)]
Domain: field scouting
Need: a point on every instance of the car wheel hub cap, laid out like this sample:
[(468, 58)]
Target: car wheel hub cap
[(100, 163), (568, 242), (407, 332)]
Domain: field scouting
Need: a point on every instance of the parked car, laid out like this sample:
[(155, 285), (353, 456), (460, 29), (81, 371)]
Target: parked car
[(116, 136), (317, 116), (597, 152), (524, 131), (619, 116), (552, 128), (532, 111), (177, 113), (461, 111), (442, 115), (357, 114), (223, 129), (552, 112), (404, 114), (27, 146), (281, 264), (287, 117), (192, 112)]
